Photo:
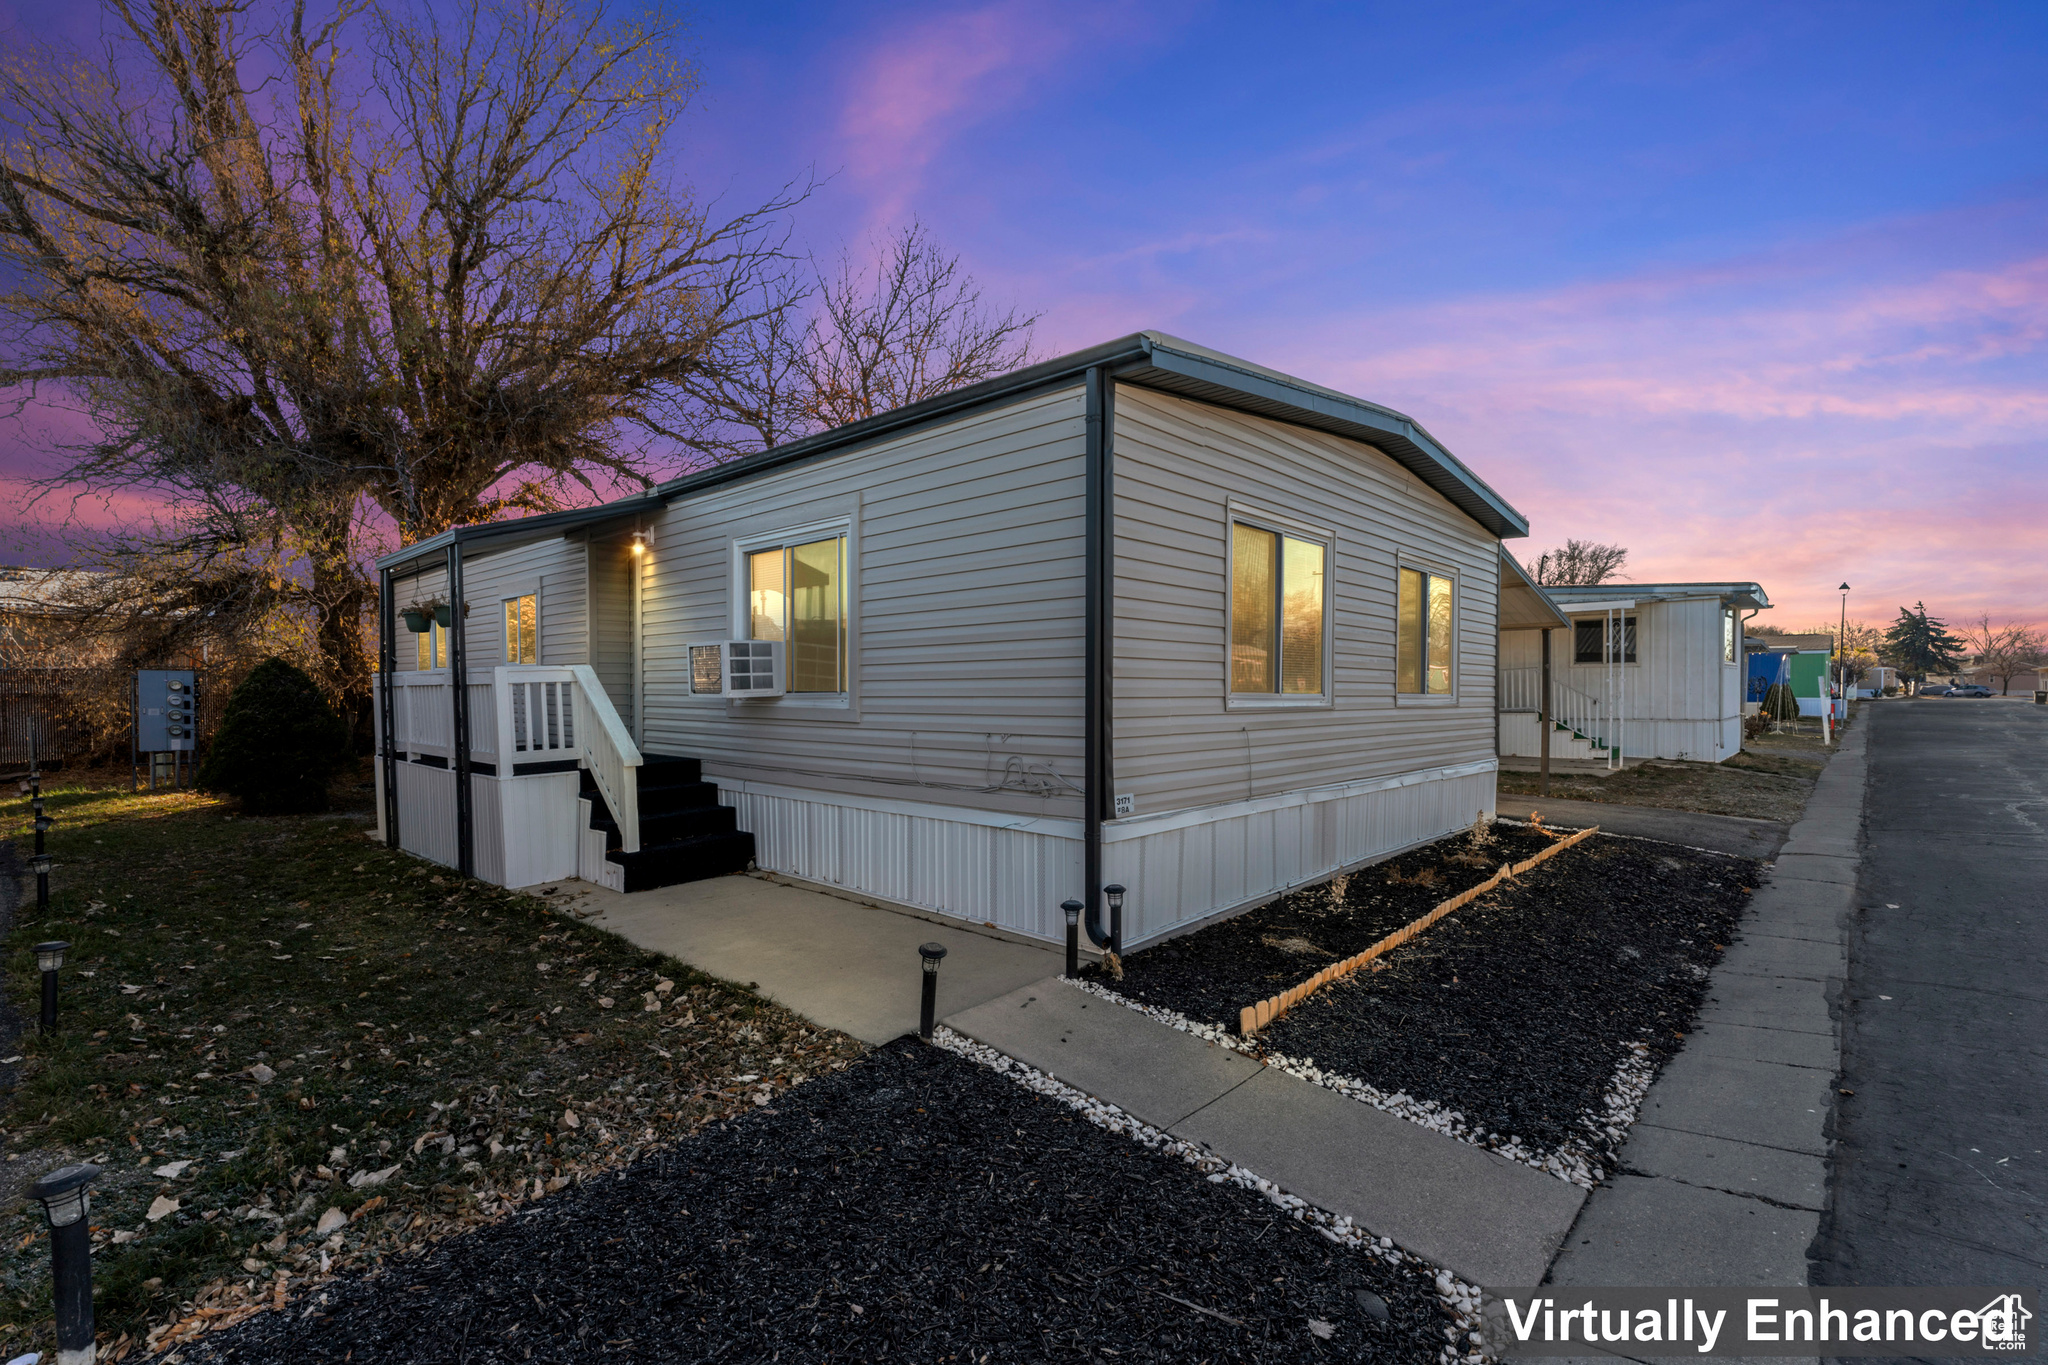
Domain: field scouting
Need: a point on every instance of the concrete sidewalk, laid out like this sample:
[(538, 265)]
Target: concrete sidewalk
[(1487, 1219), (1722, 833), (1725, 1173), (837, 962)]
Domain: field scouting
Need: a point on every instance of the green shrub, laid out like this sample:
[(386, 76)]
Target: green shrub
[(1780, 704), (278, 744)]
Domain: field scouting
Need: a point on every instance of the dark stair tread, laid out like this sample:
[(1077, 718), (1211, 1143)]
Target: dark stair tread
[(685, 860)]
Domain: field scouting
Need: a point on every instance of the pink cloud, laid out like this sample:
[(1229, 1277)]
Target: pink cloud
[(1774, 419), (921, 85)]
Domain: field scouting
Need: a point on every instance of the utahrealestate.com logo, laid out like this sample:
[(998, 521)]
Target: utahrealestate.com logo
[(1791, 1321)]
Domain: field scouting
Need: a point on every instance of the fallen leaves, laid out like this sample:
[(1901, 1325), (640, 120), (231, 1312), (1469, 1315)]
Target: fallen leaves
[(162, 1207)]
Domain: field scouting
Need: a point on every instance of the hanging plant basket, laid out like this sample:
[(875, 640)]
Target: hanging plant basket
[(417, 619), (444, 614)]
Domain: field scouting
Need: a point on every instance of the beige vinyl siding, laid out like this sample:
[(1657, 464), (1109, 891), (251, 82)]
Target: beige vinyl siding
[(553, 567), (1682, 699), (406, 591), (1177, 742), (965, 641), (556, 569), (611, 566)]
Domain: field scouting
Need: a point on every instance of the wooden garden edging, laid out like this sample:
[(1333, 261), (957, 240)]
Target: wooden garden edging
[(1252, 1018)]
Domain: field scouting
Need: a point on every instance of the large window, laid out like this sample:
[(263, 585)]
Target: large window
[(1591, 643), (522, 629), (797, 594), (1728, 633), (1424, 622), (1277, 588)]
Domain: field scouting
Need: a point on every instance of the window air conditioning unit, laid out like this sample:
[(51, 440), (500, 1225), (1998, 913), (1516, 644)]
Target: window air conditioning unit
[(737, 668)]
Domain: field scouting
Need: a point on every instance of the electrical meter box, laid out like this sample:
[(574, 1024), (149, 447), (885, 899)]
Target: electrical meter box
[(166, 710)]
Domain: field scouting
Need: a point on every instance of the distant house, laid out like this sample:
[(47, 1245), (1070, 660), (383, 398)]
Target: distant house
[(44, 666), (1144, 615), (1647, 670)]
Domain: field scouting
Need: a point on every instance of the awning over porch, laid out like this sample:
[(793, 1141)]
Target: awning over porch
[(1523, 605)]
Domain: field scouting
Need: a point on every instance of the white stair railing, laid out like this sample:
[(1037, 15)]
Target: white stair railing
[(610, 755), (547, 713), (1521, 688)]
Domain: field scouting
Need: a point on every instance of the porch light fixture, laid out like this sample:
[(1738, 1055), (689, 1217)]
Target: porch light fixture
[(1073, 913), (65, 1197), (930, 954), (639, 542), (49, 959)]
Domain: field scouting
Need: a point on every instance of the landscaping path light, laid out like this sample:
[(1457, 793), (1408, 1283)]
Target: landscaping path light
[(50, 957), (929, 954), (40, 865), (1114, 894), (1073, 911), (65, 1201)]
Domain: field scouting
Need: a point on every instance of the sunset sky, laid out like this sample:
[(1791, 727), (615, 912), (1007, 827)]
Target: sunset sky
[(1760, 291)]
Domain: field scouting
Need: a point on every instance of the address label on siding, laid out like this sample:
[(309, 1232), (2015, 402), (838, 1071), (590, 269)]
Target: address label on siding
[(1126, 803)]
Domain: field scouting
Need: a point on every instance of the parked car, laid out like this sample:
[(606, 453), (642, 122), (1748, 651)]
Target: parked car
[(1970, 690), (1934, 690)]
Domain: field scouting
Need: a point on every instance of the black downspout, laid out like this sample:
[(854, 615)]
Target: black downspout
[(458, 695), (387, 727), (1096, 663)]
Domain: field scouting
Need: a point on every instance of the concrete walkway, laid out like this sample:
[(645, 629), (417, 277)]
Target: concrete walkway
[(1725, 1174), (1487, 1219), (842, 964), (1722, 833)]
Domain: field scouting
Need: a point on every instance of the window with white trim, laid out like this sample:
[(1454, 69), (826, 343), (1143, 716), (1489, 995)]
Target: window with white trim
[(1425, 620), (797, 593), (1728, 635), (522, 629), (1279, 591)]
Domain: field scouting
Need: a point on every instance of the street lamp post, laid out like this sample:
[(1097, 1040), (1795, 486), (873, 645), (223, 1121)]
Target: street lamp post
[(1842, 643)]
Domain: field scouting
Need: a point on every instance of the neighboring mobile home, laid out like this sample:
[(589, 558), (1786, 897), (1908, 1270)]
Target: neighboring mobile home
[(1143, 615), (1647, 670)]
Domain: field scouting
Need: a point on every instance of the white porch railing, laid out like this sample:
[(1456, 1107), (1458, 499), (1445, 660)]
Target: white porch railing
[(1521, 689), (527, 714)]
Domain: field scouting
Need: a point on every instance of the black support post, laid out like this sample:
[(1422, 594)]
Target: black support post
[(458, 697), (387, 725), (1543, 722)]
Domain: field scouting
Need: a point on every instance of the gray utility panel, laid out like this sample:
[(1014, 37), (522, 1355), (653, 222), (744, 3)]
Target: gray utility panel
[(164, 710)]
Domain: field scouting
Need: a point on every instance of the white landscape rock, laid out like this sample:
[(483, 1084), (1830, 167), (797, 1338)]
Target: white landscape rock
[(162, 1207), (329, 1222)]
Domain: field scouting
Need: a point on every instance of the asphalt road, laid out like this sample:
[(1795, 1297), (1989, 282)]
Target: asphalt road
[(1939, 1173)]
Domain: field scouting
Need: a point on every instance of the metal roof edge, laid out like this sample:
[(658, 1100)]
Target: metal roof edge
[(1752, 593), (1530, 583), (567, 520), (1054, 373), (1395, 429)]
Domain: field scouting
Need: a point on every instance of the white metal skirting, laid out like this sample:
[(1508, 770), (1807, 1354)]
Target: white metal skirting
[(1180, 867)]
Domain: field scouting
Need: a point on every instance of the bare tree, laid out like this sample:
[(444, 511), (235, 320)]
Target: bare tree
[(2002, 651), (1580, 563), (919, 328), (446, 282)]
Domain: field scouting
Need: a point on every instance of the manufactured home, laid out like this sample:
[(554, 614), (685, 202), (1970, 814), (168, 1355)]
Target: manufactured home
[(1145, 615), (1645, 670)]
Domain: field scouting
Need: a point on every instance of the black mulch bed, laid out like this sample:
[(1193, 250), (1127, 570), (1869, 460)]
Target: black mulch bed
[(914, 1207), (1517, 1009), (1213, 973)]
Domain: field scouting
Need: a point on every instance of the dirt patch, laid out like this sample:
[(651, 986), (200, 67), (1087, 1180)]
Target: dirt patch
[(1770, 779)]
